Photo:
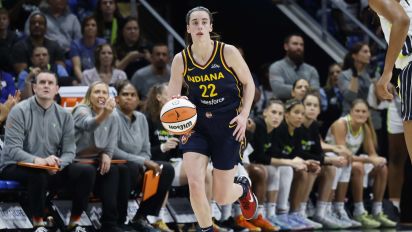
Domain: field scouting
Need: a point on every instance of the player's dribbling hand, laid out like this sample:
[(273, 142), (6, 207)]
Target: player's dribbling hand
[(240, 121), (104, 163), (381, 87)]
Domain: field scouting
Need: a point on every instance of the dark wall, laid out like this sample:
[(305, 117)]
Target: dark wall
[(258, 26)]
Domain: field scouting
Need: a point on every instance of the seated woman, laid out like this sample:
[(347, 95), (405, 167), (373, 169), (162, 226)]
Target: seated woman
[(104, 69), (353, 131), (96, 134), (133, 145), (82, 50), (299, 89), (284, 145)]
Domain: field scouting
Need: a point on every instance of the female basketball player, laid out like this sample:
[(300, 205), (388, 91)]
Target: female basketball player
[(353, 131), (221, 86)]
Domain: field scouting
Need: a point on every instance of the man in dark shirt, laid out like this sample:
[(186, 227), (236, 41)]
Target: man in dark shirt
[(22, 50)]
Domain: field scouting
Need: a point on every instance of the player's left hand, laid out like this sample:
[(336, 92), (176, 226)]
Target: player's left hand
[(240, 121), (381, 87)]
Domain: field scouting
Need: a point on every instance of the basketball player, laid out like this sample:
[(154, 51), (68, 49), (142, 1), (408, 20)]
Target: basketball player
[(395, 17), (221, 86)]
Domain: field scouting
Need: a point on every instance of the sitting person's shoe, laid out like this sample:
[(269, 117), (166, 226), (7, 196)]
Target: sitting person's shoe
[(366, 221), (142, 225), (248, 202), (162, 226), (384, 220), (241, 221), (264, 224), (76, 228), (40, 229)]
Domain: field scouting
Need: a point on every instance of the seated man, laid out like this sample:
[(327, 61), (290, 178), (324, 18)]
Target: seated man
[(41, 62), (38, 131)]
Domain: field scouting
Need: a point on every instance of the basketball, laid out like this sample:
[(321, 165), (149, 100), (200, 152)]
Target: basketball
[(178, 116)]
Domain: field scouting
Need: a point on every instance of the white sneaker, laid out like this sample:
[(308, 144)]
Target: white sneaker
[(343, 216), (327, 222), (314, 225)]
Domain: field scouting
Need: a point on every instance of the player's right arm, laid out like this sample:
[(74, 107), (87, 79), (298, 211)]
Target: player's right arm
[(176, 79), (396, 15)]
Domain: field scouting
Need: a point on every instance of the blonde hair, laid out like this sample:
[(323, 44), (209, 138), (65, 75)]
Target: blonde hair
[(86, 99), (368, 121)]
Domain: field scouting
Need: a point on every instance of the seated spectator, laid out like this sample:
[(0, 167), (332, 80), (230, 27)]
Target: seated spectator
[(104, 69), (62, 26), (5, 108), (156, 72), (132, 50), (20, 11), (40, 62), (82, 50), (284, 72), (22, 50), (354, 82), (331, 99), (7, 39), (7, 86), (108, 20), (299, 89), (82, 8)]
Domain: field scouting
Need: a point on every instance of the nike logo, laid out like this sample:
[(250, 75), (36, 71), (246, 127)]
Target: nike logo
[(190, 69), (251, 198)]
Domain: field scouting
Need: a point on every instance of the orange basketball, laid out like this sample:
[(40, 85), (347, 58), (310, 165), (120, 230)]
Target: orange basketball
[(178, 116)]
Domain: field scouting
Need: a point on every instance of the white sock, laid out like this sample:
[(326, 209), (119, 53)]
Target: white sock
[(359, 208), (261, 210), (396, 204), (329, 207), (226, 212), (339, 206), (237, 210), (302, 209), (270, 209), (285, 182), (321, 208), (376, 208)]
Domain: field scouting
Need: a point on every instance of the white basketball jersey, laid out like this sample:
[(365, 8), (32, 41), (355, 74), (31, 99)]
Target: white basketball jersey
[(406, 54), (353, 140)]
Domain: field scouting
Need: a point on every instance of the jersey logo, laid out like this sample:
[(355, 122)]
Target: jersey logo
[(215, 66), (190, 69), (185, 137)]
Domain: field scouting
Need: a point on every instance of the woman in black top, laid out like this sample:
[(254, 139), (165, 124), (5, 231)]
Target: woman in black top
[(132, 50), (312, 145)]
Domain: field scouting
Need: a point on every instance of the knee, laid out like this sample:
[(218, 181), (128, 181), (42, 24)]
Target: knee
[(196, 186), (383, 171), (329, 171), (38, 177), (301, 175), (258, 173), (357, 170)]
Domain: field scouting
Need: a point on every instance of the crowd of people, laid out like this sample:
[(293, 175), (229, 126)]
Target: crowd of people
[(306, 144)]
